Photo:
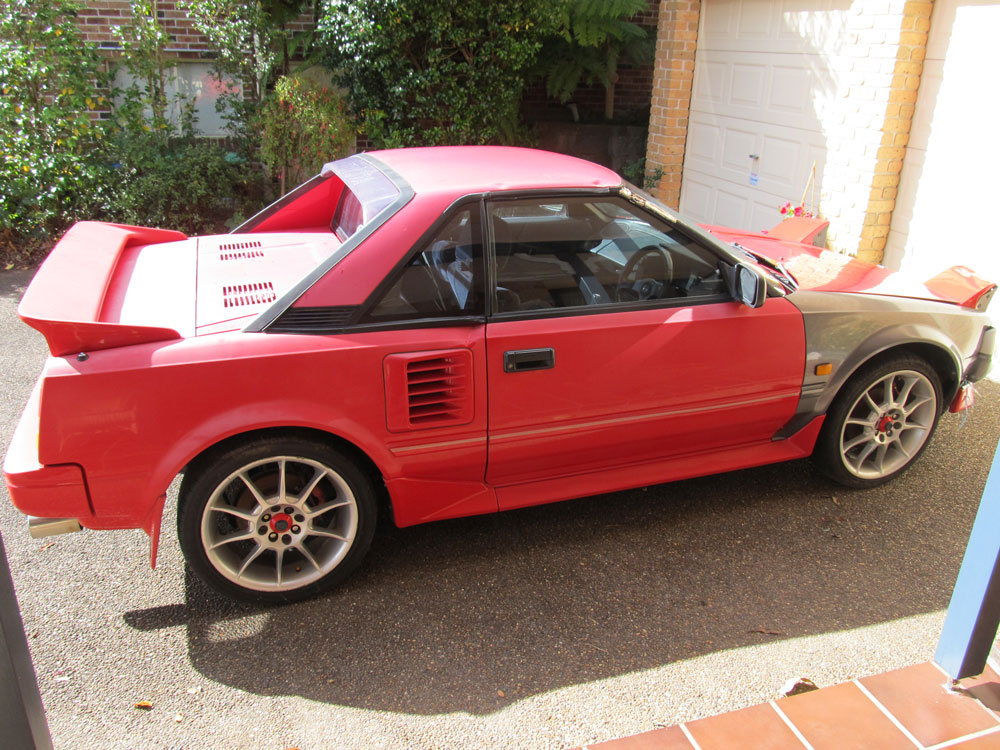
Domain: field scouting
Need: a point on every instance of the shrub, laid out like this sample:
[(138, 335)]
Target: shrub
[(186, 184), (304, 126), (424, 72), (53, 168)]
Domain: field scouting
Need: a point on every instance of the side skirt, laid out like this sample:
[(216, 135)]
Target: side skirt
[(672, 469)]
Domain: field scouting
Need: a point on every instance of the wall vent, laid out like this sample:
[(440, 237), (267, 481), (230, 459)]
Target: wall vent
[(241, 295)]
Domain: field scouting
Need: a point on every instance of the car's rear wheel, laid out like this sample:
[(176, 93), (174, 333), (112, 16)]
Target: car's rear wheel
[(881, 421), (276, 520)]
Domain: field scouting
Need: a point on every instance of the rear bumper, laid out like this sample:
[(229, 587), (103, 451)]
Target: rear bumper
[(47, 492), (983, 357)]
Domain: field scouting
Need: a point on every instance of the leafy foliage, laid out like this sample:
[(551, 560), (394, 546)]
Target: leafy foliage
[(186, 184), (51, 168), (305, 125), (143, 41), (424, 72), (595, 36)]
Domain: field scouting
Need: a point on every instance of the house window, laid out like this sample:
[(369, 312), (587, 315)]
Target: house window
[(191, 81)]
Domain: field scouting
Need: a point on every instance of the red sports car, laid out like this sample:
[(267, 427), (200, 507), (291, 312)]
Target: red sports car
[(456, 331)]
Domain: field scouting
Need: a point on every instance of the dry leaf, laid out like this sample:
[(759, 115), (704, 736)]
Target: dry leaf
[(143, 705), (500, 693), (765, 631), (797, 685)]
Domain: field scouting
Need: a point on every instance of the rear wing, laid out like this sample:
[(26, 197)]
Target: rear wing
[(65, 299), (960, 285)]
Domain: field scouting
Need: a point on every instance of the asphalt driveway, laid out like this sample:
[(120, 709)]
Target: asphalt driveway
[(548, 627)]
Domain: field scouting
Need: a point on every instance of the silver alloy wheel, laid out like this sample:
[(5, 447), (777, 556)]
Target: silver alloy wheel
[(279, 523), (888, 424)]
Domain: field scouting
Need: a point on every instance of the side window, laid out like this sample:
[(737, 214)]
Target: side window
[(554, 253), (444, 279)]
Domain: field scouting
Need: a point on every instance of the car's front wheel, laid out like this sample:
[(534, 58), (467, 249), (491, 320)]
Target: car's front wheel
[(276, 520), (880, 422)]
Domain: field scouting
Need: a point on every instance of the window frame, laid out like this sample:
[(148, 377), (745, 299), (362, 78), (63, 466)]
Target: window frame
[(607, 195), (361, 319)]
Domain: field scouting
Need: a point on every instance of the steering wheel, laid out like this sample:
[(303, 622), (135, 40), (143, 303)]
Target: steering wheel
[(644, 288)]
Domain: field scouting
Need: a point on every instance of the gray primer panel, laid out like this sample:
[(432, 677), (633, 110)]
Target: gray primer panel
[(847, 330)]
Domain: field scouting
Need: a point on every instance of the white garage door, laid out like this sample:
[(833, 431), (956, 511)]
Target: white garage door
[(948, 196), (762, 80)]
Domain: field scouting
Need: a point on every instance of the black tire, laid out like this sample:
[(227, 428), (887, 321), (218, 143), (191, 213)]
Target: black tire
[(864, 446), (247, 541)]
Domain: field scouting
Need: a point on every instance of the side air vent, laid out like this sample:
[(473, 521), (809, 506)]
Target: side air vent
[(313, 319), (241, 295), (429, 389)]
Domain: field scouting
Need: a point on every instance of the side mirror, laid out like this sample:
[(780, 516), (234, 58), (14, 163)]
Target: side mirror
[(750, 288)]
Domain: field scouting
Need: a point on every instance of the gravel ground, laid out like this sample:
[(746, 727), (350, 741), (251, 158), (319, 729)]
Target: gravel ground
[(547, 627)]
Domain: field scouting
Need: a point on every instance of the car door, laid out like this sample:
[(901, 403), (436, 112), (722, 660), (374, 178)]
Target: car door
[(613, 341)]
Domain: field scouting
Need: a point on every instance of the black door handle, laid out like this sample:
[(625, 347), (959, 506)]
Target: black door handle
[(526, 360)]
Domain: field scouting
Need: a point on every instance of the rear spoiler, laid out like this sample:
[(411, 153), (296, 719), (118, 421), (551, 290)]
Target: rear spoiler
[(961, 285), (65, 299)]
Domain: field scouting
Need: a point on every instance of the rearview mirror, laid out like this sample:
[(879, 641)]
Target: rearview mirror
[(750, 288)]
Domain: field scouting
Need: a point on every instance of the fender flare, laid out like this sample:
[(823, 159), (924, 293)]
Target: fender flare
[(217, 428)]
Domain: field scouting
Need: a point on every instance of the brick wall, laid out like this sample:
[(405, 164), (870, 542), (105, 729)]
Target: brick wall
[(98, 18), (879, 69), (677, 39)]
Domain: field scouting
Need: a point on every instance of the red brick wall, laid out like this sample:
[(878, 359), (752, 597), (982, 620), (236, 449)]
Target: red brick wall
[(671, 101), (98, 18)]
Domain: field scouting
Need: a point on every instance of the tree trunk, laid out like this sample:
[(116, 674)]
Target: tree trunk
[(609, 89)]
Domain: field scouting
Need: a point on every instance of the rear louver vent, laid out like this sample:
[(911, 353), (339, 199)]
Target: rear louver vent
[(242, 255), (241, 295), (240, 250), (313, 319), (429, 389)]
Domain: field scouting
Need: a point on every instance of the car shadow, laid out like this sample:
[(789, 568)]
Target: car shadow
[(473, 614)]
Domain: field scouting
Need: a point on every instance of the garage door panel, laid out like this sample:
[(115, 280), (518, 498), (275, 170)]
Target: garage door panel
[(790, 92), (773, 89), (732, 209), (781, 160), (704, 145), (698, 200), (710, 83), (749, 82), (762, 216), (770, 26), (737, 147), (756, 20)]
